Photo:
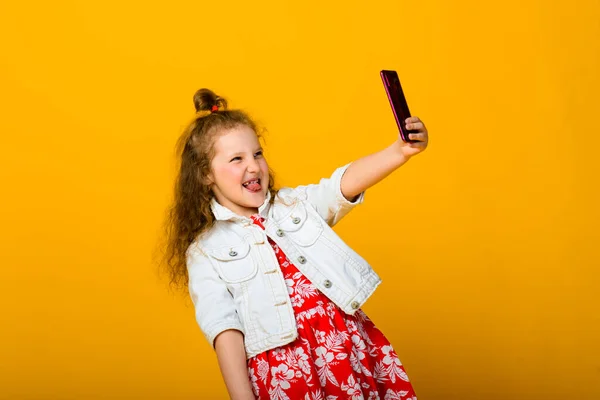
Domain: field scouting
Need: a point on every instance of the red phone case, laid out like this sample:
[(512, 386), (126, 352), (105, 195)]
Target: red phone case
[(395, 94)]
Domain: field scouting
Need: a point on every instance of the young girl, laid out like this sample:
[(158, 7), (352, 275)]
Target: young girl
[(276, 291)]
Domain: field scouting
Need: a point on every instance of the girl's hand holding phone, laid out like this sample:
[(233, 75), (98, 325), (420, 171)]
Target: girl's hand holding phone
[(410, 149)]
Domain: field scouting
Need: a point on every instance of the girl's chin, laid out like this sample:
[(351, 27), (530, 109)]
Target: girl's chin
[(255, 199)]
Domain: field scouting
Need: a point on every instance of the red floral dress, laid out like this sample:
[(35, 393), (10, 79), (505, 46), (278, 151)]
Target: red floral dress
[(336, 355)]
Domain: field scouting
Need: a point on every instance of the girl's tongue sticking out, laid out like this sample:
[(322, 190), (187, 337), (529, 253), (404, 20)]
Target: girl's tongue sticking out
[(253, 185)]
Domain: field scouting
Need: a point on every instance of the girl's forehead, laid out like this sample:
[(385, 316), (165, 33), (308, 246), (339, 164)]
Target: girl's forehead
[(239, 138)]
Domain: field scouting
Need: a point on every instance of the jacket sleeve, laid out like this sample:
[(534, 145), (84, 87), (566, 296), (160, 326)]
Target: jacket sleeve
[(214, 306), (327, 198)]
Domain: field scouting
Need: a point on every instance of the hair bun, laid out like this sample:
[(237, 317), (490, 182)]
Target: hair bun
[(206, 99)]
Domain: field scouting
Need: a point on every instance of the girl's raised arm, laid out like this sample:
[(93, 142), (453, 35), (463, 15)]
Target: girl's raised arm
[(369, 170)]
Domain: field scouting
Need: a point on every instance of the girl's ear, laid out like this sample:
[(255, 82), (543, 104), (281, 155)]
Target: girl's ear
[(207, 180)]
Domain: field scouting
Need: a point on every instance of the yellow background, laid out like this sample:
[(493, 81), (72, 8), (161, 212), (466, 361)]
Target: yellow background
[(487, 243)]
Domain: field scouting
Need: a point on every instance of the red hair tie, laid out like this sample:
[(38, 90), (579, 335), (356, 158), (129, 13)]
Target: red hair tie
[(214, 108)]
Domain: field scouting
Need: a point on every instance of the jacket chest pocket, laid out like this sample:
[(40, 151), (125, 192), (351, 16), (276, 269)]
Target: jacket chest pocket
[(301, 226), (234, 263)]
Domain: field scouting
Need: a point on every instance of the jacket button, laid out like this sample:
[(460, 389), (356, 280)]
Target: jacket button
[(355, 305), (296, 220), (233, 253), (327, 283), (302, 260), (280, 232)]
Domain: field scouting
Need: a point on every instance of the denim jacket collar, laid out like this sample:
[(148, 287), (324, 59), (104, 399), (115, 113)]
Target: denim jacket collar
[(222, 213)]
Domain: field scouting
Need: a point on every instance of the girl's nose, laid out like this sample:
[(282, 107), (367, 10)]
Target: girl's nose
[(253, 166)]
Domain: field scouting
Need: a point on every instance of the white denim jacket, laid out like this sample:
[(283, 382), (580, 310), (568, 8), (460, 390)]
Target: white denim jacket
[(235, 281)]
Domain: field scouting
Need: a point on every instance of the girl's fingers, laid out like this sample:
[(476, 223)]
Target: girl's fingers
[(415, 125), (412, 120), (421, 137)]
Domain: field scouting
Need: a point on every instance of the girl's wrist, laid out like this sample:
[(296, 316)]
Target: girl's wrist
[(397, 149)]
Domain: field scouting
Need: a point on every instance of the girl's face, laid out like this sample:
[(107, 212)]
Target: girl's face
[(239, 175)]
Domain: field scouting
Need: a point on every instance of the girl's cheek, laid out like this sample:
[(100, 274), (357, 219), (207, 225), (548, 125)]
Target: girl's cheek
[(233, 172)]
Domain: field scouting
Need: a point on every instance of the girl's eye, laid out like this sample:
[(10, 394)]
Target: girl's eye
[(235, 159), (258, 154)]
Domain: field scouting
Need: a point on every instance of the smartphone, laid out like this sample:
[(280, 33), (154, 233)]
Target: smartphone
[(391, 82)]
